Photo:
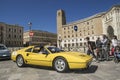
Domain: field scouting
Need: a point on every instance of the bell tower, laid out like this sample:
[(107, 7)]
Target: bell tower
[(61, 20)]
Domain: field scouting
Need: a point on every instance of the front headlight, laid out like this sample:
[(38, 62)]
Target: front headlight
[(14, 53)]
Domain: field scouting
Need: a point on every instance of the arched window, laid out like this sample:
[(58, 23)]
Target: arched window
[(110, 32)]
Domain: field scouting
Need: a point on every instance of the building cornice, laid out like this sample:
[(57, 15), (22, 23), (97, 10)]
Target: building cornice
[(40, 31), (86, 19), (112, 8), (13, 25)]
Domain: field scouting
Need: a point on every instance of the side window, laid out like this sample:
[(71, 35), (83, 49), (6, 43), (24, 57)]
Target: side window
[(43, 51), (36, 49), (29, 50)]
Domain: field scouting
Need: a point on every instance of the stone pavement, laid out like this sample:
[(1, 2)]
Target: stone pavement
[(98, 71)]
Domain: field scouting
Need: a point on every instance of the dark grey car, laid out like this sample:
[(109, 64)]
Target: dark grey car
[(4, 52)]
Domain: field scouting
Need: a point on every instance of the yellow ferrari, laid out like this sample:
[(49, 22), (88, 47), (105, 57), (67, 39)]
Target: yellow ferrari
[(51, 56)]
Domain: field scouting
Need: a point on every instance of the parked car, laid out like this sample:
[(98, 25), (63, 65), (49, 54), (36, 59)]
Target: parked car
[(51, 56), (4, 52)]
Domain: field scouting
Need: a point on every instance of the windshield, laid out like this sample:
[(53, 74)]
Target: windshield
[(2, 47), (54, 49)]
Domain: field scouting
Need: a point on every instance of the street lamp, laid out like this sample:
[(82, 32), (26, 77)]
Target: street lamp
[(30, 25), (76, 29)]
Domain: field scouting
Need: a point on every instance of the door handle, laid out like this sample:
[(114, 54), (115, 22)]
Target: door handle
[(27, 54)]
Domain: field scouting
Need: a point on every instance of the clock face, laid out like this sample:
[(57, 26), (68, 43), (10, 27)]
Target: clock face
[(75, 28)]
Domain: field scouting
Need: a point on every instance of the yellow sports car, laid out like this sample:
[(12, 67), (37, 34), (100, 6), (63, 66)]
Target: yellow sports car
[(51, 56)]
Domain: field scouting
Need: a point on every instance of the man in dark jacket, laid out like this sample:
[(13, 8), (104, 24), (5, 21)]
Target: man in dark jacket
[(90, 48)]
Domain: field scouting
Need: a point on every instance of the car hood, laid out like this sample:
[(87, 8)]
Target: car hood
[(76, 55), (5, 51)]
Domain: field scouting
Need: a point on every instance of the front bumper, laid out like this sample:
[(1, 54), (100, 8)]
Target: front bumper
[(80, 65), (5, 57)]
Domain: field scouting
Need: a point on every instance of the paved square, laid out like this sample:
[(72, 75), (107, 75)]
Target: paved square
[(106, 70)]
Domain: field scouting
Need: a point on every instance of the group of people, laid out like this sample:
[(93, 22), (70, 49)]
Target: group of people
[(103, 48)]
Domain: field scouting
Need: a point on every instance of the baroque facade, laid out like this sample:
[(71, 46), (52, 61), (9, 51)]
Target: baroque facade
[(11, 35), (94, 26), (39, 37)]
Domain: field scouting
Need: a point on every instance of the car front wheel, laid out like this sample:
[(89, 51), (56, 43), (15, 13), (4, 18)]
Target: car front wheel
[(20, 61), (60, 64)]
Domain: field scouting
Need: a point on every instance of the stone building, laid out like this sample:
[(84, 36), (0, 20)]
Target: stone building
[(68, 37), (94, 26), (39, 37), (111, 22), (11, 35)]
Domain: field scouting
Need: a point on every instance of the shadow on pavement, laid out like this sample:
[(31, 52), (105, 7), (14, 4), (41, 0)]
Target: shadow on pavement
[(39, 67), (5, 59), (91, 69)]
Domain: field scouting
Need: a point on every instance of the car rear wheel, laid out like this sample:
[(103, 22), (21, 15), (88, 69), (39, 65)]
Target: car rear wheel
[(20, 61), (60, 64)]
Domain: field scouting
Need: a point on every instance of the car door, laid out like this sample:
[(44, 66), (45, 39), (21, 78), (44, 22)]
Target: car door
[(39, 57), (28, 56)]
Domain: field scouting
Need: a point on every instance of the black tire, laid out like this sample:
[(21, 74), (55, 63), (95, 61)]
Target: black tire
[(20, 61), (116, 60), (60, 64)]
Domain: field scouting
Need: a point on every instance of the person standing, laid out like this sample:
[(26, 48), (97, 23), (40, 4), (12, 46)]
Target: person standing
[(90, 48), (105, 47), (98, 49), (114, 43)]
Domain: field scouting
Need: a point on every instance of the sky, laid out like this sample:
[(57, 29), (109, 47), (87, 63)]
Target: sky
[(42, 13)]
